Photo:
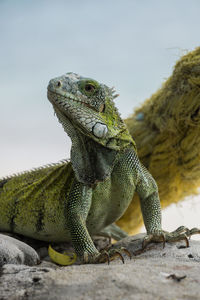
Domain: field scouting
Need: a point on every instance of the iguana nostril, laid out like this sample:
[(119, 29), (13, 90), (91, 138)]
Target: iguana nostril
[(59, 83)]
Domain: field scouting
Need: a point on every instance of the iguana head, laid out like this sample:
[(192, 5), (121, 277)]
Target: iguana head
[(87, 112), (89, 106)]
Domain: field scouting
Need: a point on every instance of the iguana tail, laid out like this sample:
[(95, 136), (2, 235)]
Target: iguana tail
[(166, 130)]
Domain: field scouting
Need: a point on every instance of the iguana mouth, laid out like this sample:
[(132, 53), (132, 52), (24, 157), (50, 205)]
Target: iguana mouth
[(68, 96)]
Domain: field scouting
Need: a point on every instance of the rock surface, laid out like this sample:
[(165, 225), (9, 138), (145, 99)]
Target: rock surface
[(14, 251), (169, 273)]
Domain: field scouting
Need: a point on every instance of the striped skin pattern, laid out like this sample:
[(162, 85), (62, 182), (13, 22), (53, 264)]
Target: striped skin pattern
[(32, 201), (76, 199)]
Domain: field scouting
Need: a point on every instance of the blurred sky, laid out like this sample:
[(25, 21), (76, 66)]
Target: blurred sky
[(131, 44)]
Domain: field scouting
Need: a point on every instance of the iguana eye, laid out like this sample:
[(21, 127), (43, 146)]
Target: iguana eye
[(89, 87), (59, 83)]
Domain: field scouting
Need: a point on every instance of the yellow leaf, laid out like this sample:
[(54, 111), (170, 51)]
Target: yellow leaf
[(61, 259)]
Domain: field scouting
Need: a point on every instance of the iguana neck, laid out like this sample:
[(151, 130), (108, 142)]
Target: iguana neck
[(91, 161)]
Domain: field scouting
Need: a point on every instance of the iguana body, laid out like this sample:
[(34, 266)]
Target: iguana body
[(84, 197), (35, 204)]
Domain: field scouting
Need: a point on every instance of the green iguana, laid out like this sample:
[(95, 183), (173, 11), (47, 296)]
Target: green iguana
[(76, 199)]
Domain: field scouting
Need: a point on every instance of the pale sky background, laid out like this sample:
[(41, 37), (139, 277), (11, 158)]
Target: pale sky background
[(130, 44)]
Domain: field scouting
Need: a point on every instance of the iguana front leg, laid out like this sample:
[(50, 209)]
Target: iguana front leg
[(78, 206), (149, 200), (147, 190)]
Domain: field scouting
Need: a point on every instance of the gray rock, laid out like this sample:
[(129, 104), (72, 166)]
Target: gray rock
[(157, 273), (13, 251)]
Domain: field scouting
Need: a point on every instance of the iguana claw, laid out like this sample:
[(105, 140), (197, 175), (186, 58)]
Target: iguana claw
[(107, 255), (114, 253), (181, 233)]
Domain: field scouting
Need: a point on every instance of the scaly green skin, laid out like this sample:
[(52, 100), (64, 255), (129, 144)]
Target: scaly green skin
[(84, 197)]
